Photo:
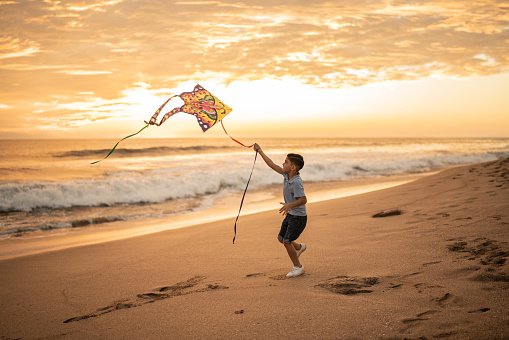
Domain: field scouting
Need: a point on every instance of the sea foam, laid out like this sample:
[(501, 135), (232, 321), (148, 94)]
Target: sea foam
[(211, 177)]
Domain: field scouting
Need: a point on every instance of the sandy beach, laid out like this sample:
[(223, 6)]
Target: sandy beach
[(435, 267)]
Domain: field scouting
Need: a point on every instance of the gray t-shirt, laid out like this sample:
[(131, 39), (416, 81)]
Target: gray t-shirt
[(293, 189)]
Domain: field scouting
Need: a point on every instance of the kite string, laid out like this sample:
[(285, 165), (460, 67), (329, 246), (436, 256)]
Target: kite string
[(247, 185), (242, 201)]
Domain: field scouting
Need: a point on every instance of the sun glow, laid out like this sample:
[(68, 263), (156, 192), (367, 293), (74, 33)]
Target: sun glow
[(320, 68)]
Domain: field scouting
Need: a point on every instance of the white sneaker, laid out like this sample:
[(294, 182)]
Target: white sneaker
[(301, 250), (296, 271)]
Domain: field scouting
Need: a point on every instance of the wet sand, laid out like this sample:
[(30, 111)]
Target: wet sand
[(433, 267)]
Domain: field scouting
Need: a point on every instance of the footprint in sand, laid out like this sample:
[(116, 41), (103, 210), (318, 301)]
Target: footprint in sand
[(413, 322), (411, 274), (255, 275), (490, 253), (420, 317), (179, 289), (349, 285), (490, 277), (388, 213), (279, 277), (481, 310), (446, 299)]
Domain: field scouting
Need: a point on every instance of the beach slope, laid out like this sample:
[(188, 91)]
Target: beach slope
[(432, 265)]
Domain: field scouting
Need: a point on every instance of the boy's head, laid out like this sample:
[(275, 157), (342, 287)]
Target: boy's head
[(297, 160)]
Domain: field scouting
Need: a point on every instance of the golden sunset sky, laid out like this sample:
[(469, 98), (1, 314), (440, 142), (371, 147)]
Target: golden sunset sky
[(98, 69)]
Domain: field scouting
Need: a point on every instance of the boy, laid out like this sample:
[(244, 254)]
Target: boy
[(294, 208)]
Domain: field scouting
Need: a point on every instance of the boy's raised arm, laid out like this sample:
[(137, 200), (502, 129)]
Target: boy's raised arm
[(267, 160)]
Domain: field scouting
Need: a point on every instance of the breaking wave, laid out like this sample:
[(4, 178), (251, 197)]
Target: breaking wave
[(160, 185), (151, 151)]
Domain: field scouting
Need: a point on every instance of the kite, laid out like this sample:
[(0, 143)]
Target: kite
[(200, 103), (208, 110)]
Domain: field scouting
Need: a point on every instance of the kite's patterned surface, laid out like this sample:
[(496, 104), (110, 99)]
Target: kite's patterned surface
[(200, 103)]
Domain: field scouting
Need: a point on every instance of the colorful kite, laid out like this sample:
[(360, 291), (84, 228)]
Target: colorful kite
[(200, 103), (207, 109)]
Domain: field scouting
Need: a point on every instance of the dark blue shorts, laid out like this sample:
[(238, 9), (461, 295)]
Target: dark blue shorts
[(292, 227)]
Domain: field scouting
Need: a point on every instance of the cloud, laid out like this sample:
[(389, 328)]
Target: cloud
[(63, 112), (83, 72), (306, 40), (12, 47), (79, 6), (67, 48)]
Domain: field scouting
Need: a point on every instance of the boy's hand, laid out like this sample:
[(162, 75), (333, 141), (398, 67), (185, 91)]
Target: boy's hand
[(256, 147), (285, 208)]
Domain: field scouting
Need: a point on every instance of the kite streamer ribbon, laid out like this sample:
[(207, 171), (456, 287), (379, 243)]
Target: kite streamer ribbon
[(166, 116), (134, 134), (233, 139)]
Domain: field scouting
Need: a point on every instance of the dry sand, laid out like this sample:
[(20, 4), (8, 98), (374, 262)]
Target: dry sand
[(436, 270)]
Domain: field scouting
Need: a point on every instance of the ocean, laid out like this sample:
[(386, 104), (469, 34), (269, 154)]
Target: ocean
[(48, 185)]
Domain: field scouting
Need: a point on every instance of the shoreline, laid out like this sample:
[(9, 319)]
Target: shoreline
[(437, 270), (225, 209)]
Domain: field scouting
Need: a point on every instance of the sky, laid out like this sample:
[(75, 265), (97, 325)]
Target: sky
[(295, 68)]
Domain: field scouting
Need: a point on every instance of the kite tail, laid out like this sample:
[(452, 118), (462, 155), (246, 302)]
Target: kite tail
[(134, 134), (166, 116), (151, 122)]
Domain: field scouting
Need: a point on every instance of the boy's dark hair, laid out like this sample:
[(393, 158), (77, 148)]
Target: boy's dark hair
[(296, 160)]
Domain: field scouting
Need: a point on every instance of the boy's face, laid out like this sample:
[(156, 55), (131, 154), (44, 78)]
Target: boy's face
[(287, 166)]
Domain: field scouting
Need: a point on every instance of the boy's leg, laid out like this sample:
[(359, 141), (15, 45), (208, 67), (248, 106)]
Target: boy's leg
[(291, 229), (296, 245), (290, 248)]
